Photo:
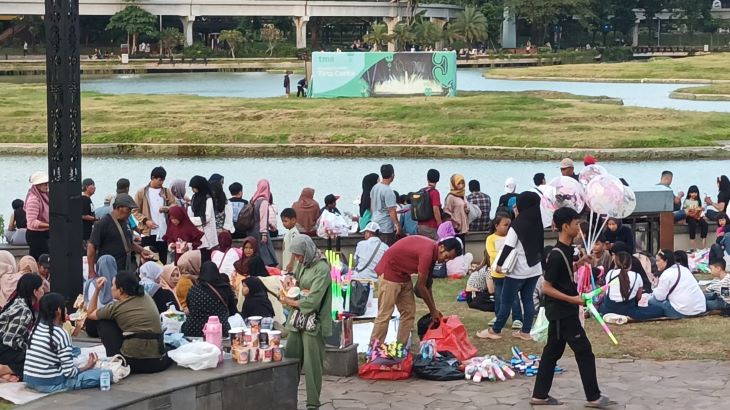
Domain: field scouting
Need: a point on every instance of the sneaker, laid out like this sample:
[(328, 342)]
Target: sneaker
[(491, 322), (517, 324)]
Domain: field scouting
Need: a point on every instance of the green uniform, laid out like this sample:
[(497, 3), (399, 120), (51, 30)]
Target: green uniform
[(308, 347)]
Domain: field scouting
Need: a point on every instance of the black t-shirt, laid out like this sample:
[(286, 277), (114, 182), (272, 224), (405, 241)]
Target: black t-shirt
[(164, 299), (21, 222), (560, 276), (105, 237), (87, 208)]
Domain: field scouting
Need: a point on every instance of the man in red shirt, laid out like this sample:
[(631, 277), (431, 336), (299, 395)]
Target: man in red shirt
[(411, 255), (429, 228)]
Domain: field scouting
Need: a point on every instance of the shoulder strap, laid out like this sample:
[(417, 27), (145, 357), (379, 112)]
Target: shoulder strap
[(218, 294), (679, 276), (375, 252), (565, 258), (121, 233)]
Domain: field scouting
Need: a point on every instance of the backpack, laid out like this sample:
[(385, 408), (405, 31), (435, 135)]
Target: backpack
[(421, 208), (246, 218)]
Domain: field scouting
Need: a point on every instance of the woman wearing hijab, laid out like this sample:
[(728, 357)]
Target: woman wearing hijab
[(8, 276), (456, 205), (37, 214), (507, 201), (181, 230), (256, 302), (255, 267), (307, 210), (150, 275), (106, 267), (260, 230), (526, 237), (212, 296), (177, 187), (202, 215), (169, 279), (225, 256), (616, 231), (313, 277), (189, 265)]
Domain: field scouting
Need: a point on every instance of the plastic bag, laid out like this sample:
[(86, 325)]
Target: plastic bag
[(397, 371), (440, 368), (172, 320), (451, 336), (196, 355), (332, 226), (539, 330)]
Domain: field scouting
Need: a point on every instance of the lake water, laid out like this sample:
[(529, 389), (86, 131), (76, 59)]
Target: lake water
[(344, 176), (260, 85)]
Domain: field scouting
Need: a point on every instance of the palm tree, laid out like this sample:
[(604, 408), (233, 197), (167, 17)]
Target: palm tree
[(402, 35), (377, 36), (427, 33), (471, 25), (450, 35)]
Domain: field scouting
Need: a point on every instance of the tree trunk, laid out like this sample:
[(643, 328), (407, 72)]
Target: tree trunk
[(233, 52)]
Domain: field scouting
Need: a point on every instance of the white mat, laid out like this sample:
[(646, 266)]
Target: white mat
[(17, 393)]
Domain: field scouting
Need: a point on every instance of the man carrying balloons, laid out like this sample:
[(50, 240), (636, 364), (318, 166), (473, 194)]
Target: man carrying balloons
[(561, 309)]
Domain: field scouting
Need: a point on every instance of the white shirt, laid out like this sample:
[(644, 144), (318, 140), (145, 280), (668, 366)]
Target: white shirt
[(614, 291), (156, 201), (363, 252), (210, 234), (521, 269), (687, 298), (225, 260), (286, 251)]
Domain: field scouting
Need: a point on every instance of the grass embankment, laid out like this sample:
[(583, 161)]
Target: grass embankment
[(714, 92), (700, 338), (531, 120), (713, 67)]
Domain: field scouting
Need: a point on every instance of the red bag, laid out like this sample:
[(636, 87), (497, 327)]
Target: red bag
[(451, 336), (399, 371)]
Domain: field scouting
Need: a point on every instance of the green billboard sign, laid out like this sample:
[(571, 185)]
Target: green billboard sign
[(375, 74)]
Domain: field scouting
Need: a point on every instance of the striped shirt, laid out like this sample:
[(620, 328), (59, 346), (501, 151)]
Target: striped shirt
[(42, 362)]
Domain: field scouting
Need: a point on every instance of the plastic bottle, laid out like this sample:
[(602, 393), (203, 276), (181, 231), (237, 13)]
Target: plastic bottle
[(105, 379), (213, 333)]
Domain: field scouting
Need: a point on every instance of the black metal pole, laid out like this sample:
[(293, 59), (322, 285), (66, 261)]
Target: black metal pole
[(63, 76)]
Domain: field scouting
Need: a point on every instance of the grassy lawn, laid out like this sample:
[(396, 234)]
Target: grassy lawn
[(714, 89), (506, 119), (701, 338), (709, 67)]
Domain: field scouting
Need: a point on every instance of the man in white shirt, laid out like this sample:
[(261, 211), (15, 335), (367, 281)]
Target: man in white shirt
[(368, 253), (678, 292), (154, 202)]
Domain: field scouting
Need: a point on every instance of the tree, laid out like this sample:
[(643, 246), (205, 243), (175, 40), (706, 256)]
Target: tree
[(377, 35), (234, 38), (543, 13), (402, 35), (135, 21), (427, 33), (470, 25), (271, 35), (170, 38), (694, 12)]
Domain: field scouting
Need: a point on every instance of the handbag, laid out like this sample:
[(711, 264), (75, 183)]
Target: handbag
[(308, 322), (117, 364), (509, 262), (359, 294)]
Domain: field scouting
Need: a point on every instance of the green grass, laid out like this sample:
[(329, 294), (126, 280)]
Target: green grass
[(529, 119), (708, 67), (723, 89), (688, 339)]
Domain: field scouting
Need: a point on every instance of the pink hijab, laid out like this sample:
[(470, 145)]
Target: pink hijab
[(446, 230), (8, 276), (262, 191)]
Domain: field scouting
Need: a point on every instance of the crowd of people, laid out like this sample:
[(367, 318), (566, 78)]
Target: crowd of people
[(165, 249)]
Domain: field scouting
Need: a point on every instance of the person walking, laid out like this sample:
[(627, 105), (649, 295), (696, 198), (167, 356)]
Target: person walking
[(287, 84), (38, 216), (154, 202)]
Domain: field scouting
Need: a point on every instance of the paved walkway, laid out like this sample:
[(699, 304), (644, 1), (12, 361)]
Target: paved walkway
[(635, 384)]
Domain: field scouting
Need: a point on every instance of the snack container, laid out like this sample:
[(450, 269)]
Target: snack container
[(240, 355), (254, 322), (275, 338), (266, 355), (264, 339), (276, 354)]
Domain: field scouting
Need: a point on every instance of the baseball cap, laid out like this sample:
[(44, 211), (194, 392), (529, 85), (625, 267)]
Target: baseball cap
[(38, 178), (124, 200), (372, 227), (331, 199), (45, 260), (108, 199), (566, 163), (589, 160)]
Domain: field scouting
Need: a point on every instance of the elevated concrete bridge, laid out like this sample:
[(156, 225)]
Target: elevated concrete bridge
[(300, 10)]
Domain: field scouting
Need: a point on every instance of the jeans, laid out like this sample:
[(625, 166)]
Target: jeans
[(525, 288), (679, 215), (84, 380), (725, 243), (711, 214), (631, 309), (669, 311), (516, 305), (715, 302)]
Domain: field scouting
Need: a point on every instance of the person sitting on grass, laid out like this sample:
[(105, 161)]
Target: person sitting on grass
[(480, 287), (717, 293), (677, 292), (49, 366), (622, 296)]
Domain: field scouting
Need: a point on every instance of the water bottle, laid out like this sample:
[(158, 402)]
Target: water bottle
[(213, 333), (105, 379)]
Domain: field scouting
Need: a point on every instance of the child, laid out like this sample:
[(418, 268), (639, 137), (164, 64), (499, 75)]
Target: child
[(408, 225), (695, 216), (561, 309), (49, 364), (495, 243), (289, 220), (719, 249), (480, 287), (601, 256), (718, 291)]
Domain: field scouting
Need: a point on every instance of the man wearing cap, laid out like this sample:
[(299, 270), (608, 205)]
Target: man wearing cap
[(567, 168), (368, 253), (87, 207), (106, 209), (112, 236), (154, 202), (330, 204), (384, 205)]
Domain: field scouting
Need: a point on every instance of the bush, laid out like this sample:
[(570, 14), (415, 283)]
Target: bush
[(200, 50), (617, 54)]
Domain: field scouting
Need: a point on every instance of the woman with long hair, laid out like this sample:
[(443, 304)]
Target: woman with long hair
[(202, 215), (695, 216), (37, 210), (677, 293), (723, 198), (625, 291), (16, 322)]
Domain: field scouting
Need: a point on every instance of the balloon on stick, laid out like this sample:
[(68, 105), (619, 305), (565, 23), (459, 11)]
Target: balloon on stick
[(591, 171), (568, 193)]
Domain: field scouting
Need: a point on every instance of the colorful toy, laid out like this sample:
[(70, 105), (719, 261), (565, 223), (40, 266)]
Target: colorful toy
[(393, 352), (588, 298)]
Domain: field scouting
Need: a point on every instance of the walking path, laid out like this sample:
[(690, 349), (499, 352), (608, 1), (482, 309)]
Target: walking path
[(635, 384)]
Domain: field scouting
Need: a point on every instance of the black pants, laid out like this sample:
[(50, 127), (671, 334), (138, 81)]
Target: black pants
[(300, 91), (91, 327), (37, 242), (112, 339), (560, 332), (158, 247), (692, 223), (14, 359)]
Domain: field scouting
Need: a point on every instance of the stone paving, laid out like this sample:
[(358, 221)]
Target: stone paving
[(634, 384)]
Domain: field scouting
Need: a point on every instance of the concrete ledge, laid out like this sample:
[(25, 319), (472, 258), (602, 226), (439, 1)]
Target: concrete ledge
[(230, 386)]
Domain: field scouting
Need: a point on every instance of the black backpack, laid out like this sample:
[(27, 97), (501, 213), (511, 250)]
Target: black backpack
[(421, 208), (246, 218)]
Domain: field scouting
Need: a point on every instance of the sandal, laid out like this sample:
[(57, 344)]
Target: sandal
[(550, 401), (524, 336), (602, 403), (488, 334)]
